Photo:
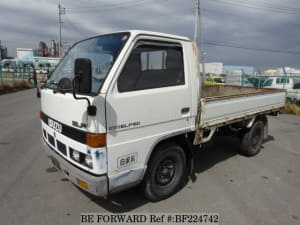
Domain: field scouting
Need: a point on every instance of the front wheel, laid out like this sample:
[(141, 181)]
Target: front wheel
[(252, 140), (165, 173)]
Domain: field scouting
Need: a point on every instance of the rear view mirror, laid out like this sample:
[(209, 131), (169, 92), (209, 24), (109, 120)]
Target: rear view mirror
[(83, 76)]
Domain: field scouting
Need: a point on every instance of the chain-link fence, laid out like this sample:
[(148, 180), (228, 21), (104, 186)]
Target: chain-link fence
[(14, 75)]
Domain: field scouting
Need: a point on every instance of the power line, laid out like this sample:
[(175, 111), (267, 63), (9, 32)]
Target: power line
[(265, 4), (247, 5), (74, 27), (175, 13), (251, 48), (107, 5), (114, 7), (280, 5)]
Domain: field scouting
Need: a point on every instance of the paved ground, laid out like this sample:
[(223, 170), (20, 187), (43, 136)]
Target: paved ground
[(261, 190)]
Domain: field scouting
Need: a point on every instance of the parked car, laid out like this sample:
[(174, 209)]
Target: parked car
[(214, 81)]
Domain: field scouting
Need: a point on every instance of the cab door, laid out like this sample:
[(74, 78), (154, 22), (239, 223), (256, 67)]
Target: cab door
[(150, 99)]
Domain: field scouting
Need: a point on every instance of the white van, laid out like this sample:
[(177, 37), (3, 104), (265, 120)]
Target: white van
[(279, 82)]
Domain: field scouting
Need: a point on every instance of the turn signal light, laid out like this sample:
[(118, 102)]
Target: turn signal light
[(41, 114), (96, 140)]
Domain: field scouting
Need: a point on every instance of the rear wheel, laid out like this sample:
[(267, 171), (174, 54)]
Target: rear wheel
[(252, 140), (165, 173)]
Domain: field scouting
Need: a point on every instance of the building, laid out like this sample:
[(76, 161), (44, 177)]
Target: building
[(288, 71), (213, 68), (233, 69), (45, 51), (41, 64), (26, 54), (3, 52), (235, 75), (51, 60), (270, 72)]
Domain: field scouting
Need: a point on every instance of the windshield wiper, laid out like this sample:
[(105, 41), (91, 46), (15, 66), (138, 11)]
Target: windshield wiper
[(52, 82), (64, 85)]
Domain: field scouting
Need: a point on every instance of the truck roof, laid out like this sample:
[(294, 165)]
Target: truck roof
[(152, 33), (135, 33)]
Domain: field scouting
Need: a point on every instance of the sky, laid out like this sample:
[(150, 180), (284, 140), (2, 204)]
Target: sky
[(259, 33)]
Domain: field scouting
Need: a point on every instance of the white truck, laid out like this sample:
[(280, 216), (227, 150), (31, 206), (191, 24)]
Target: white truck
[(127, 109)]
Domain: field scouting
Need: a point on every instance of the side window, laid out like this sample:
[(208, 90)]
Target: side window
[(152, 65), (278, 81), (283, 81), (268, 82)]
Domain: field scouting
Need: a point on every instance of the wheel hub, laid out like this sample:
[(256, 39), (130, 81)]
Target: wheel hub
[(256, 137), (165, 172)]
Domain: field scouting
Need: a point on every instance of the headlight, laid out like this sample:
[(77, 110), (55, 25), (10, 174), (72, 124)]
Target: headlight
[(75, 155), (88, 161)]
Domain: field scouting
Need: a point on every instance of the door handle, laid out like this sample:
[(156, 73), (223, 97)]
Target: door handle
[(185, 110)]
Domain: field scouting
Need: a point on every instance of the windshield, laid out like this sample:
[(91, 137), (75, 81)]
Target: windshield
[(102, 51), (219, 80)]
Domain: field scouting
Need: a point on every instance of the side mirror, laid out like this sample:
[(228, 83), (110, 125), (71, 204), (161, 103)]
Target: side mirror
[(83, 76), (82, 83)]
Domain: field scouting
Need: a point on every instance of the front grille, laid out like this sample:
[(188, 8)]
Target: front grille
[(61, 147), (51, 140)]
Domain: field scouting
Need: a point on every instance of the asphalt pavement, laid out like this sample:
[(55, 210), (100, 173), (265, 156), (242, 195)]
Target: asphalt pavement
[(261, 190)]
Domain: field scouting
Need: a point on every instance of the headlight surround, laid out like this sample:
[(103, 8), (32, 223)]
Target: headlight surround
[(75, 155), (88, 160), (82, 158)]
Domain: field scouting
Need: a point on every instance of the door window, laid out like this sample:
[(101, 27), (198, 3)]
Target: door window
[(152, 65)]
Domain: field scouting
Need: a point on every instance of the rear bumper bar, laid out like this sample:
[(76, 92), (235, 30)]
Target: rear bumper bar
[(96, 185)]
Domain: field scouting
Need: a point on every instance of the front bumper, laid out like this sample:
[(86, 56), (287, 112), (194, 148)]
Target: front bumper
[(96, 185)]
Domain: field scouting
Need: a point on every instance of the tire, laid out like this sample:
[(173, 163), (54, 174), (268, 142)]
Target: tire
[(165, 173), (252, 140)]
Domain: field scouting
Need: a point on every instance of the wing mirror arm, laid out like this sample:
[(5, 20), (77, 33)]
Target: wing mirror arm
[(91, 109)]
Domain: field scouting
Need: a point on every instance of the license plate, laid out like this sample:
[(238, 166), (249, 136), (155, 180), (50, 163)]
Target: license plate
[(82, 184)]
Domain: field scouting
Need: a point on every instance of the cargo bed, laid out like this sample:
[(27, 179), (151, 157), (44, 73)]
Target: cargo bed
[(226, 104)]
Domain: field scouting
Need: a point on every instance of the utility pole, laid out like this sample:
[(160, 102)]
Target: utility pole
[(61, 11), (198, 29)]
